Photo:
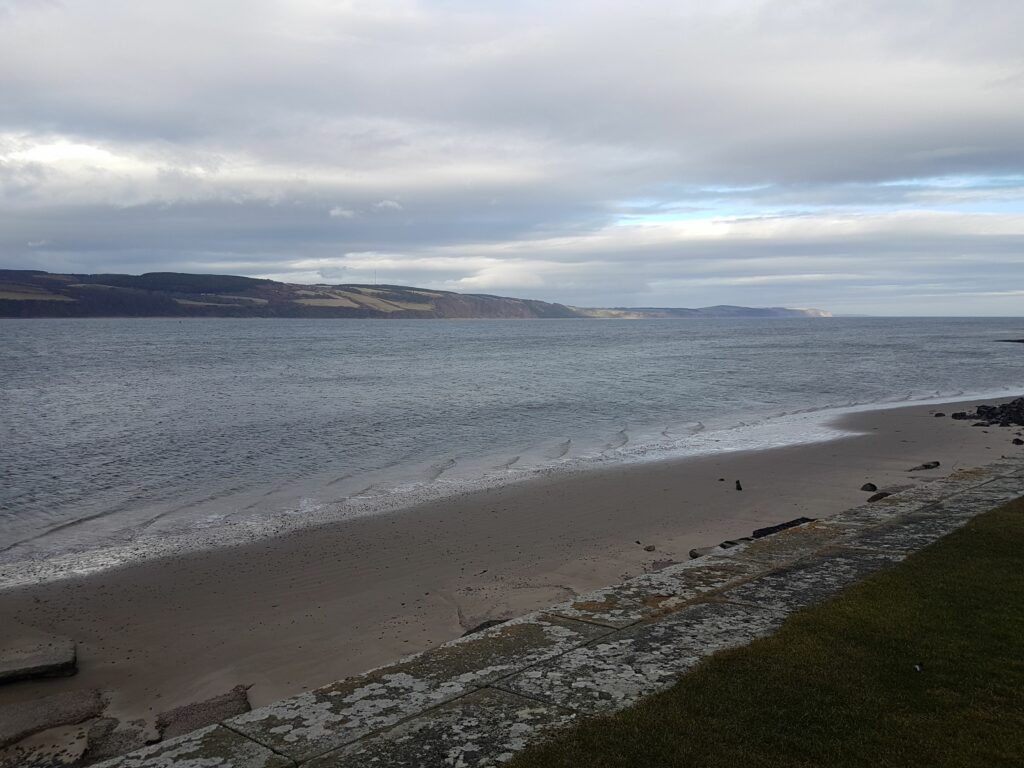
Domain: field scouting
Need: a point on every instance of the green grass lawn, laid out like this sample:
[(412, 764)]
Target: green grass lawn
[(836, 686)]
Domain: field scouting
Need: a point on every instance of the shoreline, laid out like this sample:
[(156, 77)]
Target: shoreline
[(318, 604), (816, 426)]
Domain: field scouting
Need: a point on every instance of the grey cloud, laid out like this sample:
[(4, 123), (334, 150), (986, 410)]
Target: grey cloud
[(264, 133)]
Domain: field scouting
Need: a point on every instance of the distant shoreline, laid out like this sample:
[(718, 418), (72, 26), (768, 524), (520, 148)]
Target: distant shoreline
[(37, 294)]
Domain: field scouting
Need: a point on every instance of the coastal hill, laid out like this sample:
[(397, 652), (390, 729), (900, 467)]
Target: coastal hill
[(31, 293)]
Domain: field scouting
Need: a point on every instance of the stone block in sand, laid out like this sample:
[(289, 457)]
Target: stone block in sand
[(26, 653)]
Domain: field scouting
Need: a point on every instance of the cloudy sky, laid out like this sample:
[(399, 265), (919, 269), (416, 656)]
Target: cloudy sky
[(863, 156)]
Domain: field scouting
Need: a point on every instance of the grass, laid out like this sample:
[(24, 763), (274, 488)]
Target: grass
[(836, 686)]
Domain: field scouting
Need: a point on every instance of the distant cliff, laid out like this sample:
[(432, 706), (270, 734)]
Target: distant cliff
[(30, 293)]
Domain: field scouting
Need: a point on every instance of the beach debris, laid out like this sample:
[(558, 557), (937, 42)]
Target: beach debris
[(926, 465), (739, 487), (721, 479), (483, 625), (760, 533), (701, 551), (199, 714), (769, 530), (871, 487), (28, 653), (878, 496), (27, 717), (649, 548), (919, 667)]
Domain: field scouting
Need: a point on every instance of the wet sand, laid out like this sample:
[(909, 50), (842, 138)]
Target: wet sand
[(316, 605)]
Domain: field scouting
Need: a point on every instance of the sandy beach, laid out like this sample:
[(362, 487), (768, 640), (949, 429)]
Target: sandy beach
[(301, 610)]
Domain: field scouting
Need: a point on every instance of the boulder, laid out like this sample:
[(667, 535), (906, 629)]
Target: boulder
[(939, 415), (869, 487), (879, 496), (1017, 441)]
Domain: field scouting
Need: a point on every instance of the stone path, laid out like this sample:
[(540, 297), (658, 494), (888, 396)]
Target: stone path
[(477, 700)]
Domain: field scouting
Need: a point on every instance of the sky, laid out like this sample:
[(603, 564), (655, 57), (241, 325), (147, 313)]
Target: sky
[(861, 156)]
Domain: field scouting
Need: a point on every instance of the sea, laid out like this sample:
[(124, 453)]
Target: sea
[(123, 439)]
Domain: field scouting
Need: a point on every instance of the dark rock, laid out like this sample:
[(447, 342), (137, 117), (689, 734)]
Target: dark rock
[(1017, 441), (769, 530), (939, 415), (483, 625), (1005, 415), (738, 486), (191, 717), (871, 487), (721, 479), (879, 496), (1011, 341), (649, 548), (980, 424), (926, 465), (960, 416)]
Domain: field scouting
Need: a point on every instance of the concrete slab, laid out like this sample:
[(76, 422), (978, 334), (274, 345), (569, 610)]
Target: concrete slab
[(212, 747), (613, 672), (908, 534), (800, 586), (484, 728), (27, 653), (338, 714), (656, 594), (788, 546)]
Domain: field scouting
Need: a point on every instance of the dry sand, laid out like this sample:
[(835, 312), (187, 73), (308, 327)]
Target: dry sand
[(301, 610)]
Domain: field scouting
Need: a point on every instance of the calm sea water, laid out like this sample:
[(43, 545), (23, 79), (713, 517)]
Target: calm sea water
[(120, 432)]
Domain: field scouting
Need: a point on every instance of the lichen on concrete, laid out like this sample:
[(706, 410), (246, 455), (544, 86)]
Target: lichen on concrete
[(484, 728), (337, 714), (613, 672), (813, 582), (212, 747), (655, 594), (909, 533)]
